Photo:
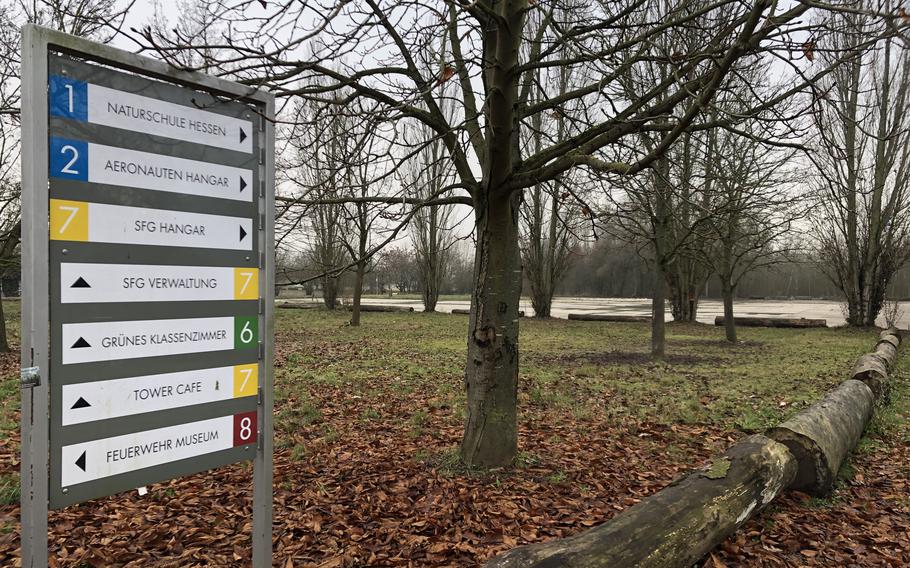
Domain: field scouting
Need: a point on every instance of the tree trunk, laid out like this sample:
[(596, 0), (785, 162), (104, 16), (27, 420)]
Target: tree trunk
[(330, 292), (658, 312), (679, 525), (729, 322), (491, 374), (358, 292)]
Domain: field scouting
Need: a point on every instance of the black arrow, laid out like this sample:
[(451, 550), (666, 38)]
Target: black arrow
[(242, 183), (81, 403), (80, 343), (80, 283), (242, 135), (242, 233), (81, 461)]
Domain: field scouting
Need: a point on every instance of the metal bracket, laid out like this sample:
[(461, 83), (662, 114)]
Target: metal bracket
[(30, 377)]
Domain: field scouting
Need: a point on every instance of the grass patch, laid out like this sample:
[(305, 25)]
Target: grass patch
[(9, 489)]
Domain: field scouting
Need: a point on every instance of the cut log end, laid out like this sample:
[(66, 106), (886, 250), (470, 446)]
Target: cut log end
[(821, 436)]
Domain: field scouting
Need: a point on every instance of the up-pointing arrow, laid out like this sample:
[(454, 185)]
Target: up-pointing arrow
[(80, 343), (81, 403), (81, 462), (242, 233), (242, 183), (80, 283), (242, 135)]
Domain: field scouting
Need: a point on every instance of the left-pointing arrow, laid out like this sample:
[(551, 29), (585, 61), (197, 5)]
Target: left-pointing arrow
[(80, 283), (80, 343), (81, 462), (81, 403)]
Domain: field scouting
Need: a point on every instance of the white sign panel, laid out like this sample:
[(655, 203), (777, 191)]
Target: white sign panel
[(120, 109), (120, 224), (144, 170), (111, 340), (101, 400), (102, 283), (120, 454)]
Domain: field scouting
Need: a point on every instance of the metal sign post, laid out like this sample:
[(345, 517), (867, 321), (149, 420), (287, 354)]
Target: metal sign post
[(148, 279)]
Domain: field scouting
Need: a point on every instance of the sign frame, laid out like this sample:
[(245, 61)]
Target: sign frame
[(37, 43)]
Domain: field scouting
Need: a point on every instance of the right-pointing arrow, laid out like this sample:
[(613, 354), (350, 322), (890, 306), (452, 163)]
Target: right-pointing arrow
[(81, 462), (80, 343), (242, 135), (242, 233), (81, 403), (80, 283), (242, 183)]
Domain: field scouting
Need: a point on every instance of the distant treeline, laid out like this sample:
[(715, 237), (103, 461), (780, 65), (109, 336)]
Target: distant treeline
[(613, 269)]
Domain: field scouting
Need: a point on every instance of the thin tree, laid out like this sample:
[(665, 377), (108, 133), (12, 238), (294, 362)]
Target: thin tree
[(862, 211)]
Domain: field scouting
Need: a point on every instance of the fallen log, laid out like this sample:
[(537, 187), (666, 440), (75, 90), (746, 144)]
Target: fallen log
[(891, 331), (610, 317), (678, 525), (466, 312), (821, 436), (290, 306), (872, 370), (774, 322), (381, 308), (887, 351), (890, 339)]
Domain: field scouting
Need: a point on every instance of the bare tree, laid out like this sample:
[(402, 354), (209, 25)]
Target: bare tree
[(485, 59), (431, 231), (862, 211)]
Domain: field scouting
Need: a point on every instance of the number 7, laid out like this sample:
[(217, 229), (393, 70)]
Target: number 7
[(247, 373), (72, 215)]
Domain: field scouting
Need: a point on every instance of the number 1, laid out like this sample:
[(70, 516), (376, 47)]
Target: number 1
[(69, 89)]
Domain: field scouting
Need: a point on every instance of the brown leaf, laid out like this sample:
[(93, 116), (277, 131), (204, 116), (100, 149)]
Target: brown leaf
[(809, 50)]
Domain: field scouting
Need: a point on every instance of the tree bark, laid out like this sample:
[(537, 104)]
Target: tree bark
[(330, 292), (358, 292), (729, 320), (491, 374), (872, 370), (821, 436), (678, 526)]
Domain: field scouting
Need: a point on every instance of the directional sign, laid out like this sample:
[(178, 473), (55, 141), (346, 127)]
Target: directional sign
[(104, 457), (104, 223), (103, 400), (98, 163), (78, 100), (82, 283), (148, 278), (113, 340)]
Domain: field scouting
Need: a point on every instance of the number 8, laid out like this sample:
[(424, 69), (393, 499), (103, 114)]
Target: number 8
[(245, 430)]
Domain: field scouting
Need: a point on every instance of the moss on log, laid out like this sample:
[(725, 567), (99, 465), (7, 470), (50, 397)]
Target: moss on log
[(609, 317), (821, 436), (774, 322), (678, 525)]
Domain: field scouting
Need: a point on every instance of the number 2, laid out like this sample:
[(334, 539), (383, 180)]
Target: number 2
[(68, 168)]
